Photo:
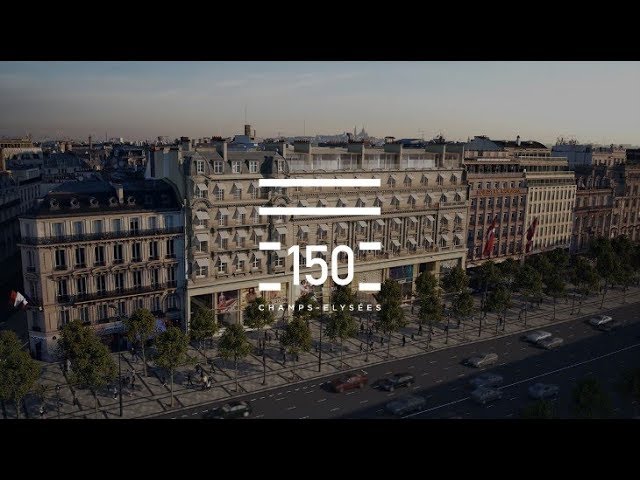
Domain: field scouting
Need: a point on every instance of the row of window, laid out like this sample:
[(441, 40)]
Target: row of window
[(80, 227), (511, 248), (117, 281), (137, 254), (479, 234), (499, 202), (489, 185), (557, 193), (218, 166), (103, 311), (550, 207), (474, 220)]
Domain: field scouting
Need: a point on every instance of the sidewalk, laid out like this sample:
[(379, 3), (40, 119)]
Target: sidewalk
[(150, 397)]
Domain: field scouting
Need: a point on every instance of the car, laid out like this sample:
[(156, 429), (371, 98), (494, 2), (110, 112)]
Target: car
[(536, 336), (482, 395), (349, 382), (406, 405), (231, 410), (481, 360), (540, 391), (609, 326), (551, 342), (599, 320), (487, 379), (396, 381)]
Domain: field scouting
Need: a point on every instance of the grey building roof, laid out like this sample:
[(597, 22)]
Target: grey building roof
[(93, 197)]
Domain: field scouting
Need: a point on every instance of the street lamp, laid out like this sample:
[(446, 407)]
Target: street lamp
[(366, 358), (119, 363)]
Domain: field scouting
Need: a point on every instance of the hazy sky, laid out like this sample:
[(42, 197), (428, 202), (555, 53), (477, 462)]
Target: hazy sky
[(591, 101)]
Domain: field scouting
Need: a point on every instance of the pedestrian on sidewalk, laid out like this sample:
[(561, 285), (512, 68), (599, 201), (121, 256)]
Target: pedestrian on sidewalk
[(42, 411), (371, 346), (198, 369), (404, 341), (360, 347), (133, 382), (115, 393), (277, 335), (412, 337), (205, 379), (284, 359), (361, 327), (75, 402), (189, 380), (164, 381), (420, 330), (381, 341)]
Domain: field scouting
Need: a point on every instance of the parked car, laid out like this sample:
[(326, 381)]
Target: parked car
[(551, 342), (406, 405), (349, 382), (599, 320), (487, 379), (536, 336), (482, 395), (609, 326), (231, 410), (396, 381), (540, 391), (481, 360)]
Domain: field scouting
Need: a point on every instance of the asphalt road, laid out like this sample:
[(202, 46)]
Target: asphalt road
[(444, 382)]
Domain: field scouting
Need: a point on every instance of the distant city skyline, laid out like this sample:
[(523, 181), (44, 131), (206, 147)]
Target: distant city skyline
[(593, 102)]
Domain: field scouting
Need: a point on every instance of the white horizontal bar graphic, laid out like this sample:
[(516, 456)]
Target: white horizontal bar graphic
[(370, 246), (319, 182), (269, 287), (270, 246), (319, 211), (369, 287)]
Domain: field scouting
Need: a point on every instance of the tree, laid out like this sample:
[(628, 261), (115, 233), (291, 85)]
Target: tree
[(92, 365), (203, 325), (306, 308), (630, 386), (542, 409), (555, 287), (559, 259), (529, 282), (172, 346), (140, 327), (589, 400), (391, 315), (488, 276), (428, 294), (508, 271), (455, 280), (608, 267), (296, 338), (584, 276), (463, 306), (341, 324), (234, 344), (541, 264), (257, 315), (18, 371), (624, 277), (499, 301)]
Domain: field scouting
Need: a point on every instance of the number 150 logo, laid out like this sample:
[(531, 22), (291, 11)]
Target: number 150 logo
[(324, 269)]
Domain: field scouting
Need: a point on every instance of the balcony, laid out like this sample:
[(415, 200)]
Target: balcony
[(170, 255), (91, 237), (154, 257), (61, 267), (99, 263), (136, 259), (118, 261), (81, 265), (120, 292)]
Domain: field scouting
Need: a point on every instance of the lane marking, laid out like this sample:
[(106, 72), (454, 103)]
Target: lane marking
[(364, 401), (335, 409), (321, 400), (291, 408), (302, 418), (281, 398), (309, 391)]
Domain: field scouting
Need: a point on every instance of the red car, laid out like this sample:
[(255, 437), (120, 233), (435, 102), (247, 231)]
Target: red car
[(349, 382)]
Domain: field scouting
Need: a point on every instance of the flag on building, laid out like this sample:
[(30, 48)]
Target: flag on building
[(531, 231), (490, 239), (17, 300)]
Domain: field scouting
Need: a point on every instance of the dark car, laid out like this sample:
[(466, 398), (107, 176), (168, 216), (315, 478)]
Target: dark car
[(231, 410), (397, 381), (405, 405), (349, 382)]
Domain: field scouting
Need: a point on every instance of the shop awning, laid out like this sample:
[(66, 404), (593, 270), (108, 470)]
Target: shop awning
[(281, 230), (428, 238), (304, 228), (380, 222), (460, 216), (413, 219), (322, 202), (241, 210), (324, 227), (395, 243), (223, 211), (202, 237), (397, 221), (362, 223), (447, 217), (259, 232), (281, 253), (412, 241), (413, 197), (237, 186), (446, 237), (202, 187), (303, 203), (430, 218), (241, 233), (381, 200), (202, 215), (459, 237), (223, 234), (224, 258), (242, 257), (343, 225), (343, 201)]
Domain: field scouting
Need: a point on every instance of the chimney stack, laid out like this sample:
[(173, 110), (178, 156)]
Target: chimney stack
[(247, 130), (518, 140)]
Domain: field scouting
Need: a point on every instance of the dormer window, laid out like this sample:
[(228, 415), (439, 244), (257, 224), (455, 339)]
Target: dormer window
[(113, 201), (131, 200), (93, 202), (75, 203)]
